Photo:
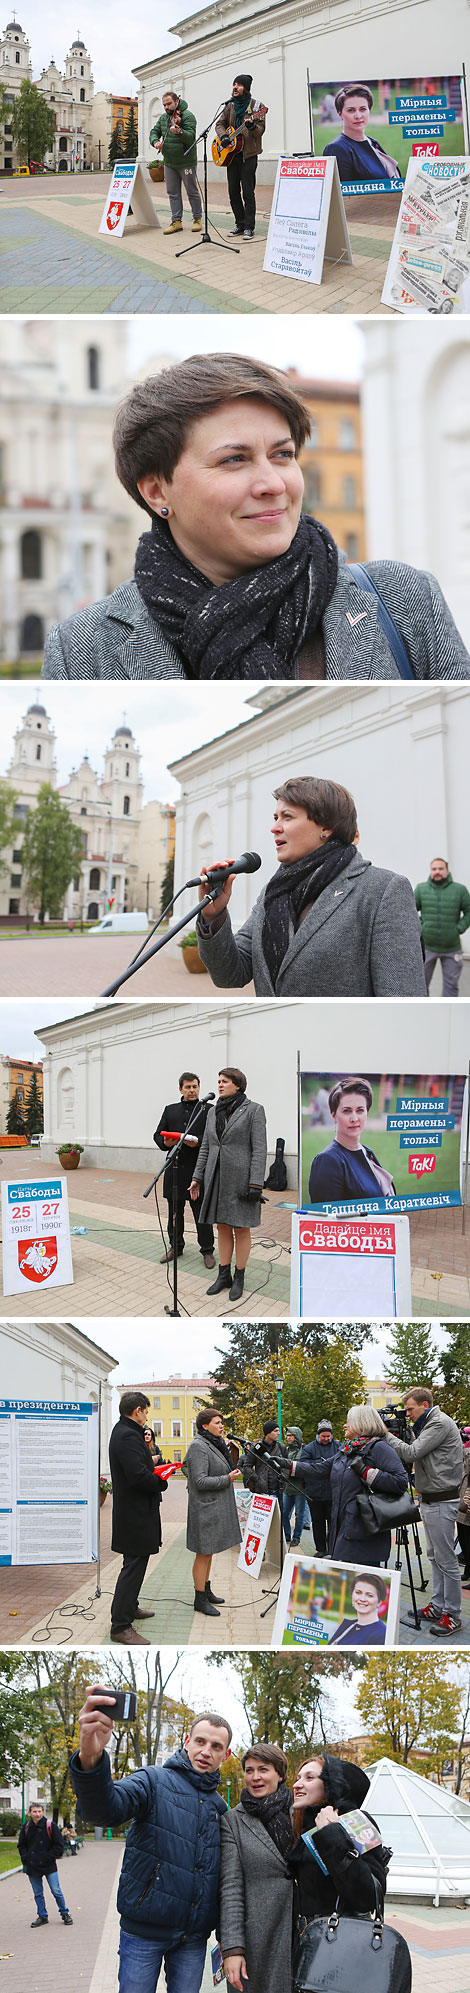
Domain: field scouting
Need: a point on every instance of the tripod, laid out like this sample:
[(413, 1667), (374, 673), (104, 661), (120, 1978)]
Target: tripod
[(173, 1159), (402, 1544), (206, 237)]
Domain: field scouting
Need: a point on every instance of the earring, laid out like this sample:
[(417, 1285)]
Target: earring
[(323, 833), (164, 512)]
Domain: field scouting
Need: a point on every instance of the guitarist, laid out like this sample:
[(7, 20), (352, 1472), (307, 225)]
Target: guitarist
[(248, 119)]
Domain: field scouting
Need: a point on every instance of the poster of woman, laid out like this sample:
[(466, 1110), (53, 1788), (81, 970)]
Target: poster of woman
[(372, 128), (387, 1141)]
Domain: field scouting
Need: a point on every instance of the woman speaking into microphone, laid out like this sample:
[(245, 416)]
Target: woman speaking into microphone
[(329, 923), (231, 1166)]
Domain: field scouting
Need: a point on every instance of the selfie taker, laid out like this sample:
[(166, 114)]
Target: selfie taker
[(168, 1887)]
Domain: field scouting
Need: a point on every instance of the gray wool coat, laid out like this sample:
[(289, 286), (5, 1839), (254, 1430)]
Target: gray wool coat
[(361, 938), (118, 638), (212, 1510), (242, 1152), (256, 1895)]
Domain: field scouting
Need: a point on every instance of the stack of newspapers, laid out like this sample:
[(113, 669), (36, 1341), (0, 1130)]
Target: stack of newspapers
[(432, 244)]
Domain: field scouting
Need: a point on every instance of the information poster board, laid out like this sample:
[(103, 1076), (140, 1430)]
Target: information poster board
[(307, 221), (49, 1475), (339, 1264), (323, 1604), (381, 1143), (131, 186), (36, 1234), (374, 128), (429, 267), (258, 1540)]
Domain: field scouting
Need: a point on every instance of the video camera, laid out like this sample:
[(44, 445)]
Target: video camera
[(395, 1418)]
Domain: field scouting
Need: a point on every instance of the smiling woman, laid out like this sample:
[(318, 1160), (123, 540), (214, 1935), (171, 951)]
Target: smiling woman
[(234, 580)]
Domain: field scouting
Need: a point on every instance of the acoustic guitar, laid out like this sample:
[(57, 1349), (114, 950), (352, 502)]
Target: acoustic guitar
[(223, 148)]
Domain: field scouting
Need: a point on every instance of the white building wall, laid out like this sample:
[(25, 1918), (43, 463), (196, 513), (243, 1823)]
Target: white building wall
[(416, 407), (55, 1360)]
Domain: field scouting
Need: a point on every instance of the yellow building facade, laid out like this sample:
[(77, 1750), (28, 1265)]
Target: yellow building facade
[(15, 1077), (174, 1405), (332, 460)]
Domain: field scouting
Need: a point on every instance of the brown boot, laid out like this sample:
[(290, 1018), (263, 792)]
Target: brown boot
[(128, 1638)]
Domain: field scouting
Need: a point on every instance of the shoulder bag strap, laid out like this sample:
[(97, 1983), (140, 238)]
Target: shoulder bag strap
[(397, 646)]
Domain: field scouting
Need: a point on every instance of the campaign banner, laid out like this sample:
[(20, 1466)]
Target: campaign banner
[(36, 1234), (344, 1264), (255, 1541), (307, 221), (371, 127), (326, 1604), (48, 1482), (130, 186), (429, 265), (381, 1143)]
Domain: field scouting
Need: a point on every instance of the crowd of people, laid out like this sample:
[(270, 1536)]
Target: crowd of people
[(422, 1472)]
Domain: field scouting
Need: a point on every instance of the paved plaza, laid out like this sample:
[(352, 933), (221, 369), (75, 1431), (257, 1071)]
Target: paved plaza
[(54, 260), (63, 964)]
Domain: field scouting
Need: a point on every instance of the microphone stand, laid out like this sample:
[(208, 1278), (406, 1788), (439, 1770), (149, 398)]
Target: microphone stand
[(173, 1159), (206, 237), (139, 960)]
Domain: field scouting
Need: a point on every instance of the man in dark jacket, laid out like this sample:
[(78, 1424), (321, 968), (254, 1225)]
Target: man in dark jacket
[(257, 1471), (294, 1498), (137, 1531), (313, 1469), (39, 1844), (435, 1456), (174, 135), (168, 1887), (248, 119), (175, 1119), (444, 907)]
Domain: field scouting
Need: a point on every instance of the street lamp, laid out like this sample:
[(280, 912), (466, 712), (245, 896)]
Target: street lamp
[(278, 1383)]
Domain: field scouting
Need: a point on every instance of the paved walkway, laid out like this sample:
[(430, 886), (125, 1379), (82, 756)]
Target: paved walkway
[(53, 259), (85, 965)]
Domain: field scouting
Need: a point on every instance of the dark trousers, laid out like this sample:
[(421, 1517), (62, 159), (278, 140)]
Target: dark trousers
[(126, 1596), (241, 176), (320, 1514), (205, 1233), (463, 1533)]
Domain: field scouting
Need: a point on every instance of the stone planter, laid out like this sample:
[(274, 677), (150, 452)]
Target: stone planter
[(192, 959), (69, 1161), (103, 1497)]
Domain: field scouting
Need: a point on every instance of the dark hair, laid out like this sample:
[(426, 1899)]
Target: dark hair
[(233, 1073), (208, 1716), (204, 1417), (351, 1085), (188, 1076), (153, 424), (370, 1578), (324, 802), (267, 1754), (171, 93), (418, 1391), (439, 861), (352, 90), (130, 1401), (35, 1802)]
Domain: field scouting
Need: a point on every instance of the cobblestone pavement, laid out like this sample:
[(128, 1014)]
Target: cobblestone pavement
[(85, 965), (53, 260)]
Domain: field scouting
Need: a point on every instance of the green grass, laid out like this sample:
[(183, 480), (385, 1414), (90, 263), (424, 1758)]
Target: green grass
[(24, 667), (9, 1857)]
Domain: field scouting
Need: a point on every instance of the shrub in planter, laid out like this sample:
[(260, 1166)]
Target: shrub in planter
[(69, 1154), (191, 956)]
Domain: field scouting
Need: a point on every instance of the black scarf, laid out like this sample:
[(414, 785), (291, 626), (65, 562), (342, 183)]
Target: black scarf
[(220, 1445), (274, 1813), (292, 889), (253, 627), (224, 1110)]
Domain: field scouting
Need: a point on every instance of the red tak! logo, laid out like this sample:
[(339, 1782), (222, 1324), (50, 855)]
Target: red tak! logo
[(37, 1258), (421, 1165)]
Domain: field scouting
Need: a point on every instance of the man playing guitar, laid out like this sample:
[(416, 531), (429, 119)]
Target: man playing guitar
[(247, 119)]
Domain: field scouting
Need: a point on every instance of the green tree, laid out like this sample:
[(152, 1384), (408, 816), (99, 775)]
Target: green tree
[(285, 1696), (33, 124), (34, 1107), (8, 827), (115, 149), (131, 142), (252, 1343), (168, 884), (455, 1364), (312, 1388), (16, 1124), (413, 1356), (52, 851), (408, 1704)]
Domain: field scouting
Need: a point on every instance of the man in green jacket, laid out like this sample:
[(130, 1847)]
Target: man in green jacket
[(174, 135), (445, 914)]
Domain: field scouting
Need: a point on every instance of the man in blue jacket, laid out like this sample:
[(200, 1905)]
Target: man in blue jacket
[(313, 1469), (167, 1894)]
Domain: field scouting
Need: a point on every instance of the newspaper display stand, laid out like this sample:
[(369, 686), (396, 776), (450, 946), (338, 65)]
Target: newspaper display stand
[(307, 221), (131, 186), (429, 267)]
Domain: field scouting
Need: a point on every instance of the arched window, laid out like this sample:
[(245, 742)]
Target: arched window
[(93, 367), (95, 877), (31, 564), (93, 911), (126, 806), (82, 95), (38, 754), (128, 767), (32, 633)]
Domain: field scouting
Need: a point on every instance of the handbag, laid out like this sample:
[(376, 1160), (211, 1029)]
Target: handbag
[(339, 1954), (379, 1512)]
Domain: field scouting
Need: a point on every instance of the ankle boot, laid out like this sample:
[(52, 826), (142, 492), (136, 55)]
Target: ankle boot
[(223, 1280), (203, 1604), (238, 1283), (212, 1596)]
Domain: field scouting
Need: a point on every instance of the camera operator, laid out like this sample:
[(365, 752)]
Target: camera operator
[(263, 1459), (436, 1456), (313, 1470)]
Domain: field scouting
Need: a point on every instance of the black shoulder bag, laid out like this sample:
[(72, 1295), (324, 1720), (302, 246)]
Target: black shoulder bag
[(341, 1954)]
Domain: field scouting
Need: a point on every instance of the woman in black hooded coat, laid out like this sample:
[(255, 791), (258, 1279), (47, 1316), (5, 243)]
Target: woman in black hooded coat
[(325, 1788)]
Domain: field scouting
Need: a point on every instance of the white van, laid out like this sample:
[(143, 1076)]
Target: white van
[(121, 923)]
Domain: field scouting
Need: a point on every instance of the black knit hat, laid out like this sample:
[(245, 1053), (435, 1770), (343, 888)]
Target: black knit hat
[(246, 80), (268, 1426)]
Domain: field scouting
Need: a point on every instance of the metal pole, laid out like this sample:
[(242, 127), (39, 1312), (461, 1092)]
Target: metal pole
[(299, 1137), (98, 1563)]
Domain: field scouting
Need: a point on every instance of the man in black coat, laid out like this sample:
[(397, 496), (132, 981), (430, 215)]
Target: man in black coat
[(257, 1471), (175, 1119), (137, 1531), (313, 1468), (39, 1843)]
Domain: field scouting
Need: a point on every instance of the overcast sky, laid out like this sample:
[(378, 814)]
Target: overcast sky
[(163, 728), (141, 1348), (116, 37), (324, 348)]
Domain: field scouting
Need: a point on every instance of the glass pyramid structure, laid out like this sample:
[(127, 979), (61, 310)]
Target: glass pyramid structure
[(428, 1829)]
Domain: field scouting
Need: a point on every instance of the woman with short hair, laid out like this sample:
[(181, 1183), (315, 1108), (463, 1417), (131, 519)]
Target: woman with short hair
[(231, 1165), (358, 156), (212, 1523), (234, 580), (256, 1891), (366, 1458), (347, 1170), (329, 923)]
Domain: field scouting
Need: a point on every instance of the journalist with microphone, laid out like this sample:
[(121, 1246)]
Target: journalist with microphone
[(329, 923), (231, 1166)]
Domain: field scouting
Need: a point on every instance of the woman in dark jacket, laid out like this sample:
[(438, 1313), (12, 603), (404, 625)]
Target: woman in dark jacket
[(347, 1169), (324, 1789), (212, 1510), (255, 1884), (366, 1457), (231, 1165)]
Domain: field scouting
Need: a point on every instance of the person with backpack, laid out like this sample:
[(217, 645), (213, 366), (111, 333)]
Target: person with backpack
[(40, 1845)]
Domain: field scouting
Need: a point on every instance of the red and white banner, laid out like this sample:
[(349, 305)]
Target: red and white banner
[(330, 1235), (255, 1541), (36, 1234)]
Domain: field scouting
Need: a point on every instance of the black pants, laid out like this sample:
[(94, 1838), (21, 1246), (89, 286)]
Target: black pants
[(241, 176), (205, 1233), (463, 1533), (126, 1596), (320, 1514)]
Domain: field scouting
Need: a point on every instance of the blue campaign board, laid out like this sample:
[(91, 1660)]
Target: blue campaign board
[(381, 1143), (49, 1482), (373, 127)]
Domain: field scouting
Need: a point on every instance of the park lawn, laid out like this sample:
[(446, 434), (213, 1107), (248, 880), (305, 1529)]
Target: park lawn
[(386, 1147), (9, 1857)]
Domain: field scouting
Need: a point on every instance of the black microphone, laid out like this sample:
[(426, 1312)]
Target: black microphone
[(205, 1098), (250, 861)]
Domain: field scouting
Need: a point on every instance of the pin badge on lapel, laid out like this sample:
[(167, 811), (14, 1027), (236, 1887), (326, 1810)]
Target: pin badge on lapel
[(355, 619)]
